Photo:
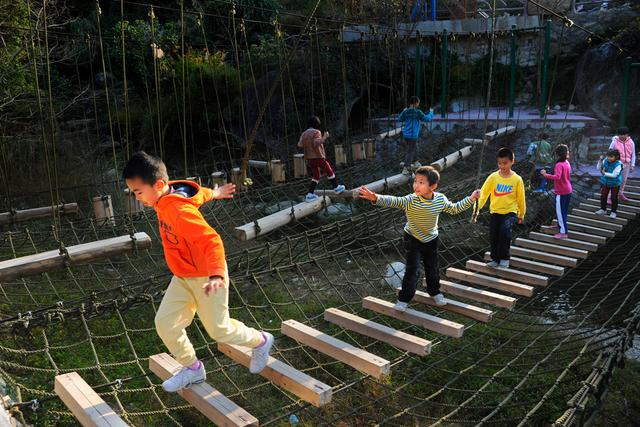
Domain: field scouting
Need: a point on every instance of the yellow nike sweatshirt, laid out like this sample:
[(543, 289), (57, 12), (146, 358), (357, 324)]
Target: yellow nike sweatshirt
[(507, 194)]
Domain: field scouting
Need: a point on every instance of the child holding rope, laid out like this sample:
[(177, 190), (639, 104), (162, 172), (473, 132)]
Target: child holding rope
[(562, 187), (411, 118), (506, 189), (195, 255), (422, 207), (611, 169)]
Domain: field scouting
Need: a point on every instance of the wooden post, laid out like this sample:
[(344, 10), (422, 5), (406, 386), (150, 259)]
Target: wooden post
[(131, 205), (218, 179), (260, 164), (299, 166), (341, 158), (370, 148), (277, 171), (357, 151), (103, 210), (237, 177)]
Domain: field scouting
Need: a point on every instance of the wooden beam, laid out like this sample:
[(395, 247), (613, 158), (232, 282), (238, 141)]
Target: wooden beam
[(576, 235), (480, 295), (553, 248), (572, 243), (586, 229), (278, 219), (632, 195), (84, 402), (605, 218), (530, 265), (383, 333), (508, 273), (206, 399), (355, 357), (37, 213), (623, 205), (543, 256), (630, 202), (51, 260), (289, 378), (473, 141), (452, 158), (490, 282), (414, 317), (490, 136), (595, 223), (621, 212), (471, 311)]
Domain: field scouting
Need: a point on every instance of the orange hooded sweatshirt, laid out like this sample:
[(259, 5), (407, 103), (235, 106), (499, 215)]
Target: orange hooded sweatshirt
[(192, 247)]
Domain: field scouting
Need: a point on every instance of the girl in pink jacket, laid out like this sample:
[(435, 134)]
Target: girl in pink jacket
[(562, 187), (627, 148)]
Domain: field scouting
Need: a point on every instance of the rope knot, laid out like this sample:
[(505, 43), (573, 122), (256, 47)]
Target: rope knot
[(257, 227)]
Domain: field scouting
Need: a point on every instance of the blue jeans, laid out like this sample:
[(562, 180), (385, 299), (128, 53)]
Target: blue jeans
[(562, 210), (500, 226)]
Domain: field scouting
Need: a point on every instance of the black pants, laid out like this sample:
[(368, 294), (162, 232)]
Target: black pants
[(604, 195), (416, 252), (500, 227)]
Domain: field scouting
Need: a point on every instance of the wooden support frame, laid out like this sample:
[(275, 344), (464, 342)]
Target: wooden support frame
[(37, 213)]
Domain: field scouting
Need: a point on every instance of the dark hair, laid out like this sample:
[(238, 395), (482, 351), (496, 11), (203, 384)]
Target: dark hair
[(562, 151), (314, 122), (505, 152), (414, 100), (623, 130), (146, 167), (432, 175), (612, 152)]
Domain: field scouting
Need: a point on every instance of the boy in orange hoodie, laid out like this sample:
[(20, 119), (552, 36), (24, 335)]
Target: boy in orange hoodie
[(195, 255)]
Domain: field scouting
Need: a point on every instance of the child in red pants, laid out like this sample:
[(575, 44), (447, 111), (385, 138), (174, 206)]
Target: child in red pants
[(312, 141)]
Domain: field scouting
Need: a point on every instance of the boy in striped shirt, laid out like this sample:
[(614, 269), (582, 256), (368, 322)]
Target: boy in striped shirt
[(422, 208)]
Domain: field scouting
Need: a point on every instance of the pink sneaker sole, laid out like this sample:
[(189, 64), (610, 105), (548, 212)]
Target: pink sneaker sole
[(560, 236)]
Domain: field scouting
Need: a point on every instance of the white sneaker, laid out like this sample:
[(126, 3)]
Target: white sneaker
[(601, 212), (401, 306), (339, 189), (310, 197), (185, 379), (439, 300), (492, 264), (504, 263), (260, 355), (613, 215)]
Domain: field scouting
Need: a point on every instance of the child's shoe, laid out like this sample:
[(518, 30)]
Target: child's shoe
[(504, 263), (406, 171), (260, 354), (439, 300), (401, 306), (601, 212), (561, 235), (185, 379), (492, 264), (613, 215), (311, 197), (339, 189)]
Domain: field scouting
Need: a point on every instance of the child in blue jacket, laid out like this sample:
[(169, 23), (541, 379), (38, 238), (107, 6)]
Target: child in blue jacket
[(611, 169), (411, 118)]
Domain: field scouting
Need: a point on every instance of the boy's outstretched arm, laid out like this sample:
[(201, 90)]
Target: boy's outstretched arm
[(521, 201), (384, 200), (223, 192), (485, 192), (462, 205)]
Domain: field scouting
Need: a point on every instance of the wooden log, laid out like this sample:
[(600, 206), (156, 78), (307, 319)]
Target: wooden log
[(473, 141), (390, 133), (341, 157), (370, 148), (355, 357), (576, 235), (277, 172), (50, 260), (131, 205), (596, 231), (508, 273), (276, 220), (85, 404), (37, 213), (490, 282), (218, 179), (598, 223), (471, 311), (206, 399), (383, 333), (479, 295), (490, 136), (531, 265), (552, 248), (543, 256), (452, 158), (357, 151), (289, 378), (621, 213), (238, 179), (414, 317), (572, 243), (606, 218), (103, 211), (299, 166)]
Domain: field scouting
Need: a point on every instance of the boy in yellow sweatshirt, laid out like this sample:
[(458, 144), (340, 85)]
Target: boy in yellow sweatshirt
[(508, 206)]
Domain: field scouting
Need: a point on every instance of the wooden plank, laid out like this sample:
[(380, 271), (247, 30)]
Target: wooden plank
[(584, 228), (572, 243), (623, 205), (632, 195), (355, 357), (630, 202), (479, 295), (84, 402), (527, 264), (471, 311), (543, 256), (490, 282), (50, 260), (594, 223), (37, 213), (380, 332), (508, 273), (289, 378), (490, 136), (606, 218), (433, 323), (621, 213), (206, 399), (552, 248), (278, 219), (575, 235)]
